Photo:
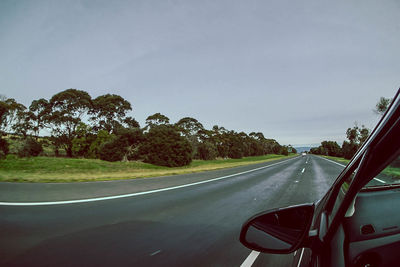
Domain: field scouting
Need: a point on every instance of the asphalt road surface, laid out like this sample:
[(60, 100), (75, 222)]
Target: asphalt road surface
[(194, 225)]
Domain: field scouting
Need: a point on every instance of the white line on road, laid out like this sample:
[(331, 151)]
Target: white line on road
[(301, 257), (155, 253), (250, 259), (379, 180), (302, 171), (133, 194)]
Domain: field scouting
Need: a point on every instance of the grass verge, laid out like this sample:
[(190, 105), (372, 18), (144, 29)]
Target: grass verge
[(51, 169)]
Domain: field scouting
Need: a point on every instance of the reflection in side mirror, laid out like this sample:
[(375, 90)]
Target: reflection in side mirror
[(278, 231)]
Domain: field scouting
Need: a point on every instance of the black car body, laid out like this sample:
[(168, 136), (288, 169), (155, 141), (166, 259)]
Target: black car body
[(357, 222)]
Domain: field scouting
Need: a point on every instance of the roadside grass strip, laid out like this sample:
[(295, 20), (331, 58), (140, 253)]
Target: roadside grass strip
[(51, 169), (63, 202)]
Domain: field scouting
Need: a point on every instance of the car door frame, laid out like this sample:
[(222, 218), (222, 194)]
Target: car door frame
[(381, 148)]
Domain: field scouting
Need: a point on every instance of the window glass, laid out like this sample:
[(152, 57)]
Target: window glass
[(389, 176)]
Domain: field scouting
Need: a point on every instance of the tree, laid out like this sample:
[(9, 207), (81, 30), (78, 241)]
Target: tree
[(83, 140), (10, 110), (131, 122), (164, 146), (102, 137), (109, 112), (3, 148), (382, 105), (38, 115), (206, 151), (190, 127), (123, 146), (331, 148), (349, 149), (67, 110), (30, 147), (356, 136), (156, 119)]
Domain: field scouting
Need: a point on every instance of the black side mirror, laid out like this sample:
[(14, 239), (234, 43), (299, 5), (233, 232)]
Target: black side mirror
[(278, 231)]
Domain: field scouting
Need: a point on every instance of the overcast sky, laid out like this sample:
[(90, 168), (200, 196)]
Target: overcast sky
[(299, 71)]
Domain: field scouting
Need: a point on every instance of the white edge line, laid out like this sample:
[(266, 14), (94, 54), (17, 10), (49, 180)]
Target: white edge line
[(133, 194), (301, 257), (379, 180), (250, 259), (155, 253), (333, 162)]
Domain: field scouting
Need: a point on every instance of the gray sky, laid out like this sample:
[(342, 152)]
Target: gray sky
[(299, 71)]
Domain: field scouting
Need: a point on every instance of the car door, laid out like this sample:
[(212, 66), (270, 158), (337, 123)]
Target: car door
[(321, 239)]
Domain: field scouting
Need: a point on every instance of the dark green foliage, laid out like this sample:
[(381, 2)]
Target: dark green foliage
[(164, 146), (30, 147), (3, 148), (67, 109), (81, 144), (101, 138), (10, 112), (124, 146), (109, 112), (382, 105), (113, 150), (349, 149), (327, 148), (38, 114), (206, 151), (156, 119), (284, 151)]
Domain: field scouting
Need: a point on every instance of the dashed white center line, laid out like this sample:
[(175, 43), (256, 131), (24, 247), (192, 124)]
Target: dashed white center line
[(302, 171), (250, 259)]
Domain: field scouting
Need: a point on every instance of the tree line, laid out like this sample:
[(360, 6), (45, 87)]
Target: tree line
[(101, 128), (356, 136)]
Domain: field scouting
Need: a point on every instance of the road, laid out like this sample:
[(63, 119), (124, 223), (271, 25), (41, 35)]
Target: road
[(195, 225)]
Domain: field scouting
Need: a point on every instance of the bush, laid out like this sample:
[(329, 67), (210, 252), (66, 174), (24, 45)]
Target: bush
[(206, 151), (349, 149), (3, 148), (164, 146), (123, 146), (113, 150), (30, 147)]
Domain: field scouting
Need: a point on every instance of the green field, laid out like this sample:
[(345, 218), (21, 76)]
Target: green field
[(52, 169)]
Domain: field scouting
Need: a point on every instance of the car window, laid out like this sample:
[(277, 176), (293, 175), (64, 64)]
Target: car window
[(389, 176)]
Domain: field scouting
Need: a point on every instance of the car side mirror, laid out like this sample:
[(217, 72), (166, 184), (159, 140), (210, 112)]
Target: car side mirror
[(278, 231)]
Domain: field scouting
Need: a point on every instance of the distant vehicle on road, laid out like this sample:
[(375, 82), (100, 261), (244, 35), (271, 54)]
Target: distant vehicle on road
[(303, 154), (357, 222)]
